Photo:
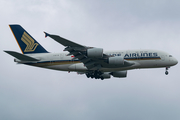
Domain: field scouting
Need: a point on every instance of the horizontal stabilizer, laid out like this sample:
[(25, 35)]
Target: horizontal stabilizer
[(20, 56)]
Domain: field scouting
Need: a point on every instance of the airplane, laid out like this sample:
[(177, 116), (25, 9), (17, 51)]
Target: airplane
[(91, 61)]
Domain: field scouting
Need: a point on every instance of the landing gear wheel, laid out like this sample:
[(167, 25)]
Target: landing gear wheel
[(166, 72)]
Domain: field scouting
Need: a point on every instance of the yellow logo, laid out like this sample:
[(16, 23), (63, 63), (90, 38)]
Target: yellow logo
[(31, 46)]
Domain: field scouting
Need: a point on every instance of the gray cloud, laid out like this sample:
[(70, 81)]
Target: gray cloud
[(34, 93)]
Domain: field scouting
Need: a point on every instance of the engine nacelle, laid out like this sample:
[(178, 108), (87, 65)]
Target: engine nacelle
[(119, 74), (95, 52), (106, 75), (117, 60)]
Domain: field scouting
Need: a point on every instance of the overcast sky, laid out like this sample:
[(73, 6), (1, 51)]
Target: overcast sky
[(30, 93)]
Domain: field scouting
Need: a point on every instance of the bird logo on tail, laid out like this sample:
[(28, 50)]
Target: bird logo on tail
[(31, 46)]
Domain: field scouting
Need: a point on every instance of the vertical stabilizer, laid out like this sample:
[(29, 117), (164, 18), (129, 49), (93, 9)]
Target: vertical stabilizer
[(25, 41)]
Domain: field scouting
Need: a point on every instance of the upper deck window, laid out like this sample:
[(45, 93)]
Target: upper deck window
[(170, 55)]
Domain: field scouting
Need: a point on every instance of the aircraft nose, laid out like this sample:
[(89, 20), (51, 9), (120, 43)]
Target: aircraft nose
[(175, 61)]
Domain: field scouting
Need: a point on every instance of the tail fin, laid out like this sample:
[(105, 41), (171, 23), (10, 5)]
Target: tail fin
[(25, 41)]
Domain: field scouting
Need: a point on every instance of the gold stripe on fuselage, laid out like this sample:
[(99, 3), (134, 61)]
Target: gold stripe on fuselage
[(142, 58), (50, 63)]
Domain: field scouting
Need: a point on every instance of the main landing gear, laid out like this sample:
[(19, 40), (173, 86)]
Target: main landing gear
[(167, 71), (95, 74)]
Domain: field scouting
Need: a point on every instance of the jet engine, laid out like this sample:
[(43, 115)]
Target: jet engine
[(95, 52), (119, 74), (105, 76), (117, 60)]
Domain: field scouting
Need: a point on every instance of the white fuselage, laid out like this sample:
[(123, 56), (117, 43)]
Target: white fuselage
[(140, 58)]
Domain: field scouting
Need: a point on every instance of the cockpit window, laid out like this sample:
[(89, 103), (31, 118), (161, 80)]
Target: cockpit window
[(170, 55)]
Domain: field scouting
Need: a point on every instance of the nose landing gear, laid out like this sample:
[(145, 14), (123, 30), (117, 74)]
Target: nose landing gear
[(167, 71)]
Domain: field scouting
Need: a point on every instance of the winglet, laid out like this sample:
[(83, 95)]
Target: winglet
[(46, 34)]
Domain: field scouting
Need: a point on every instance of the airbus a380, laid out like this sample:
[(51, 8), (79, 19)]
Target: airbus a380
[(91, 61)]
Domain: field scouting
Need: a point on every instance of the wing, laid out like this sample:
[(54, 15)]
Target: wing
[(93, 58), (63, 41)]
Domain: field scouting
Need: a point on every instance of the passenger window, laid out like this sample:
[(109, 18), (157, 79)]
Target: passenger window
[(170, 55)]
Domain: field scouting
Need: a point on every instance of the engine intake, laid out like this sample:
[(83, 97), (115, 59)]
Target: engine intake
[(95, 52)]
